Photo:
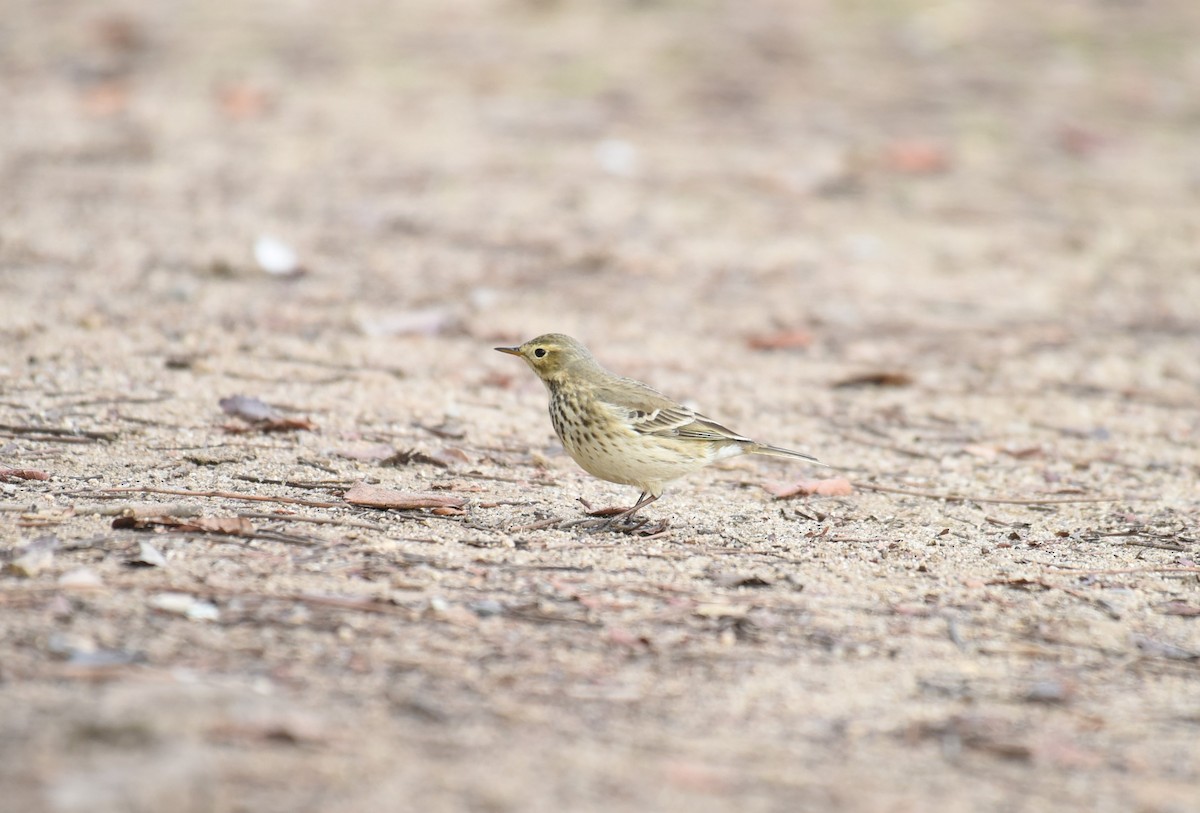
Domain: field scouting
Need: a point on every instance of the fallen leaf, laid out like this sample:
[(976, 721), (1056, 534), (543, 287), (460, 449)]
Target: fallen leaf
[(1181, 609), (23, 474), (740, 580), (407, 457), (370, 496), (792, 339), (1020, 583), (828, 487), (916, 157), (251, 409), (148, 556), (241, 101), (450, 455), (876, 379), (260, 416)]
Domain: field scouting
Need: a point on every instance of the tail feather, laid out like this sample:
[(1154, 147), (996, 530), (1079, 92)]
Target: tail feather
[(777, 451)]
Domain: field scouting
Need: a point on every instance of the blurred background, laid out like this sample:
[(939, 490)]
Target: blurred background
[(521, 160)]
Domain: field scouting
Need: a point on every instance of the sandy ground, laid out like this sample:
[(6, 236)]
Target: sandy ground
[(950, 248)]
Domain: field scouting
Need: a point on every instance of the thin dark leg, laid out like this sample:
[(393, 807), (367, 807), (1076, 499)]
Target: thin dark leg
[(625, 516), (642, 501)]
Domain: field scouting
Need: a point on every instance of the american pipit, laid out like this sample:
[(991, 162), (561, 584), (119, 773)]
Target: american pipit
[(622, 431)]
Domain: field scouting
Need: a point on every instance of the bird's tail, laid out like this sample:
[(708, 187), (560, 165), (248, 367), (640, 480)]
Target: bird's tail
[(776, 451)]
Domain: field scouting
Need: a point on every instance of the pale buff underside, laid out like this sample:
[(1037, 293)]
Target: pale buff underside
[(622, 455)]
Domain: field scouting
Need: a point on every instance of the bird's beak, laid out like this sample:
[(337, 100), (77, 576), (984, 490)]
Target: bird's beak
[(512, 351)]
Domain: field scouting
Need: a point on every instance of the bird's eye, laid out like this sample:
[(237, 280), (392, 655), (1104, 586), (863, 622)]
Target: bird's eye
[(540, 352)]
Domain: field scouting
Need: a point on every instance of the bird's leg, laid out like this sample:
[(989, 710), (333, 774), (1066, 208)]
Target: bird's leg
[(625, 517), (643, 500)]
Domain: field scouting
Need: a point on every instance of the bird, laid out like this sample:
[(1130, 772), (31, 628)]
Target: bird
[(624, 431)]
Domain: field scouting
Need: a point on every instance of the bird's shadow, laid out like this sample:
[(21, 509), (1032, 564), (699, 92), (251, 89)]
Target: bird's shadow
[(615, 520)]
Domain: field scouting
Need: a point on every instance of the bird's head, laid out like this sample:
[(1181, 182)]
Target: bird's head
[(551, 355)]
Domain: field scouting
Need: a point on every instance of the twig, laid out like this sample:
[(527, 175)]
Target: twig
[(931, 495), (250, 478), (474, 475), (364, 604), (318, 465), (128, 399), (546, 618), (1171, 546), (224, 495), (45, 438), (1123, 571), (1105, 606), (278, 515), (1109, 609), (537, 526), (59, 431)]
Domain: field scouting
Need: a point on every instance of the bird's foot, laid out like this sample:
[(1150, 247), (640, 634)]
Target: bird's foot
[(616, 521)]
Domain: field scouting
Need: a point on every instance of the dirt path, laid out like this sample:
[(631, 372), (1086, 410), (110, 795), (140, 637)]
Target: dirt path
[(952, 250)]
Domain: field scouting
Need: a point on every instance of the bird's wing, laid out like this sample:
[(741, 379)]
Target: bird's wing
[(649, 412)]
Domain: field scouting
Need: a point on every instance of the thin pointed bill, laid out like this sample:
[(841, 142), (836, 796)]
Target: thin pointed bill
[(512, 351)]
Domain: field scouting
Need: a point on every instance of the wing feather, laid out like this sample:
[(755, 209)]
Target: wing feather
[(649, 412)]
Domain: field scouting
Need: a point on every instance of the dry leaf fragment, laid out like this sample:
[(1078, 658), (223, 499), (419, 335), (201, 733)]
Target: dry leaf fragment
[(241, 101), (791, 339), (229, 526), (1181, 609), (728, 579), (407, 457), (148, 556), (250, 409), (260, 416), (450, 455), (877, 379), (916, 157), (23, 474), (370, 496), (828, 487)]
